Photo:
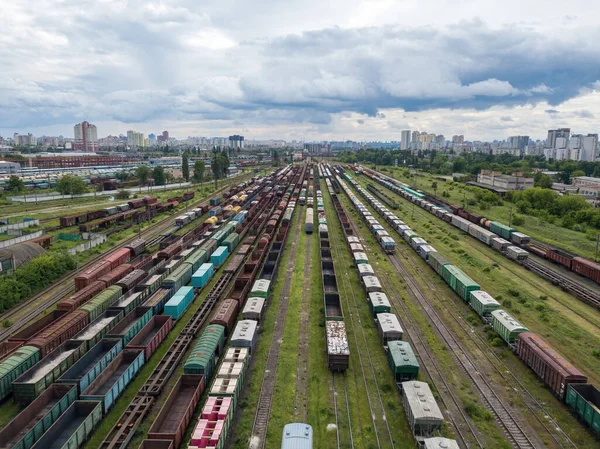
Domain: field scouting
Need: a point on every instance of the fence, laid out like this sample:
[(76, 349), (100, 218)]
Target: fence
[(23, 238), (94, 240), (23, 225)]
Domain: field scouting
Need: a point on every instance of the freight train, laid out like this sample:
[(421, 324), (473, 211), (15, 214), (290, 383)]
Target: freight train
[(572, 262), (564, 380), (402, 360), (112, 315)]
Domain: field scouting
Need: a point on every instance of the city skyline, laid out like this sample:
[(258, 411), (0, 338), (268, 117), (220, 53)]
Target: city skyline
[(345, 70)]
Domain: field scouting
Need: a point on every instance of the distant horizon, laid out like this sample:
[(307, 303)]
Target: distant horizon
[(341, 70)]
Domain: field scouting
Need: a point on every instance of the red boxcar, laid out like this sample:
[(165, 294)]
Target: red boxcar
[(560, 257), (82, 296), (536, 250), (95, 214), (60, 331), (119, 257), (226, 314), (141, 262), (91, 274), (549, 365), (151, 335), (116, 275), (188, 196), (586, 268), (149, 200), (136, 203)]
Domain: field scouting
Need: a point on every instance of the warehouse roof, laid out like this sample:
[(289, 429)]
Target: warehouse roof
[(421, 402), (22, 252)]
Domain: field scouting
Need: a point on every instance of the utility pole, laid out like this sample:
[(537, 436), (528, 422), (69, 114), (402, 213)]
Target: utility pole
[(510, 217), (597, 241)]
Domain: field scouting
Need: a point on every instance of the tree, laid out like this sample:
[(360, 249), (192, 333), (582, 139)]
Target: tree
[(542, 180), (122, 176), (434, 186), (577, 173), (71, 185), (158, 174), (185, 167), (199, 168), (15, 184), (122, 195), (143, 174)]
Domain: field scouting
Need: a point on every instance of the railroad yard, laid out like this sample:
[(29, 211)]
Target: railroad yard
[(321, 305)]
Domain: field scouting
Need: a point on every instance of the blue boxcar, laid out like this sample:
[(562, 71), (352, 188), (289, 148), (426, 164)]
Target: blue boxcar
[(218, 257), (179, 302), (201, 277)]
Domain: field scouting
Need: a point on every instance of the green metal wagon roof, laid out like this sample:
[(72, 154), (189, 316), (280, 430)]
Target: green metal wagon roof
[(402, 353), (502, 226), (231, 237), (16, 359), (465, 280), (439, 258), (196, 255)]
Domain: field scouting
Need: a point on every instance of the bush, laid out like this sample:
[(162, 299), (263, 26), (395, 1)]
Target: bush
[(122, 195), (518, 220), (33, 277)]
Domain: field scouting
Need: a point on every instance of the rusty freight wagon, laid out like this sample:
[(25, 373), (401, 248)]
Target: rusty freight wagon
[(152, 335), (60, 331), (176, 414)]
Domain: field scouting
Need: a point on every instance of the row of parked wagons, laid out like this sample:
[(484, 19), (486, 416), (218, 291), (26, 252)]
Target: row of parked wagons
[(565, 381), (111, 348), (423, 413)]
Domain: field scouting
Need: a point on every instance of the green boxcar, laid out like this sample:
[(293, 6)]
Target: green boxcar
[(102, 301), (506, 326), (38, 378), (29, 425), (465, 285), (402, 360), (584, 399), (483, 303), (15, 365), (196, 259), (449, 273), (180, 277), (209, 346), (437, 262), (501, 230), (231, 241), (209, 246), (73, 428)]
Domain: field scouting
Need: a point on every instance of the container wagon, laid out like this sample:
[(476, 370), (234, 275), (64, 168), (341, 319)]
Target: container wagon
[(151, 335), (73, 428), (176, 413), (402, 361), (60, 331), (109, 385), (584, 399), (179, 302), (549, 365), (226, 315), (38, 378), (388, 327), (218, 257), (506, 326), (424, 416), (29, 425), (244, 335), (209, 346), (253, 309), (131, 324), (310, 219), (201, 277), (92, 364), (338, 350)]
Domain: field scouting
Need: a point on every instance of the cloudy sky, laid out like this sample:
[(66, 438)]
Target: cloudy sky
[(296, 69)]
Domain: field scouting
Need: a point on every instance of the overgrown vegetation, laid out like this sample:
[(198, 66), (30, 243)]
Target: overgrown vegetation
[(33, 277)]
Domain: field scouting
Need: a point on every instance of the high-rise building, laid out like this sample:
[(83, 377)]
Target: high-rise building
[(458, 139), (164, 137), (405, 140), (519, 142), (236, 141), (135, 139), (86, 137), (554, 134), (24, 139)]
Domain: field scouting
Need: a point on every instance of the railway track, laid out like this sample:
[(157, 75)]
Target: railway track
[(265, 398), (532, 404), (128, 422), (301, 392), (346, 404), (375, 401), (582, 292), (515, 432), (56, 292)]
